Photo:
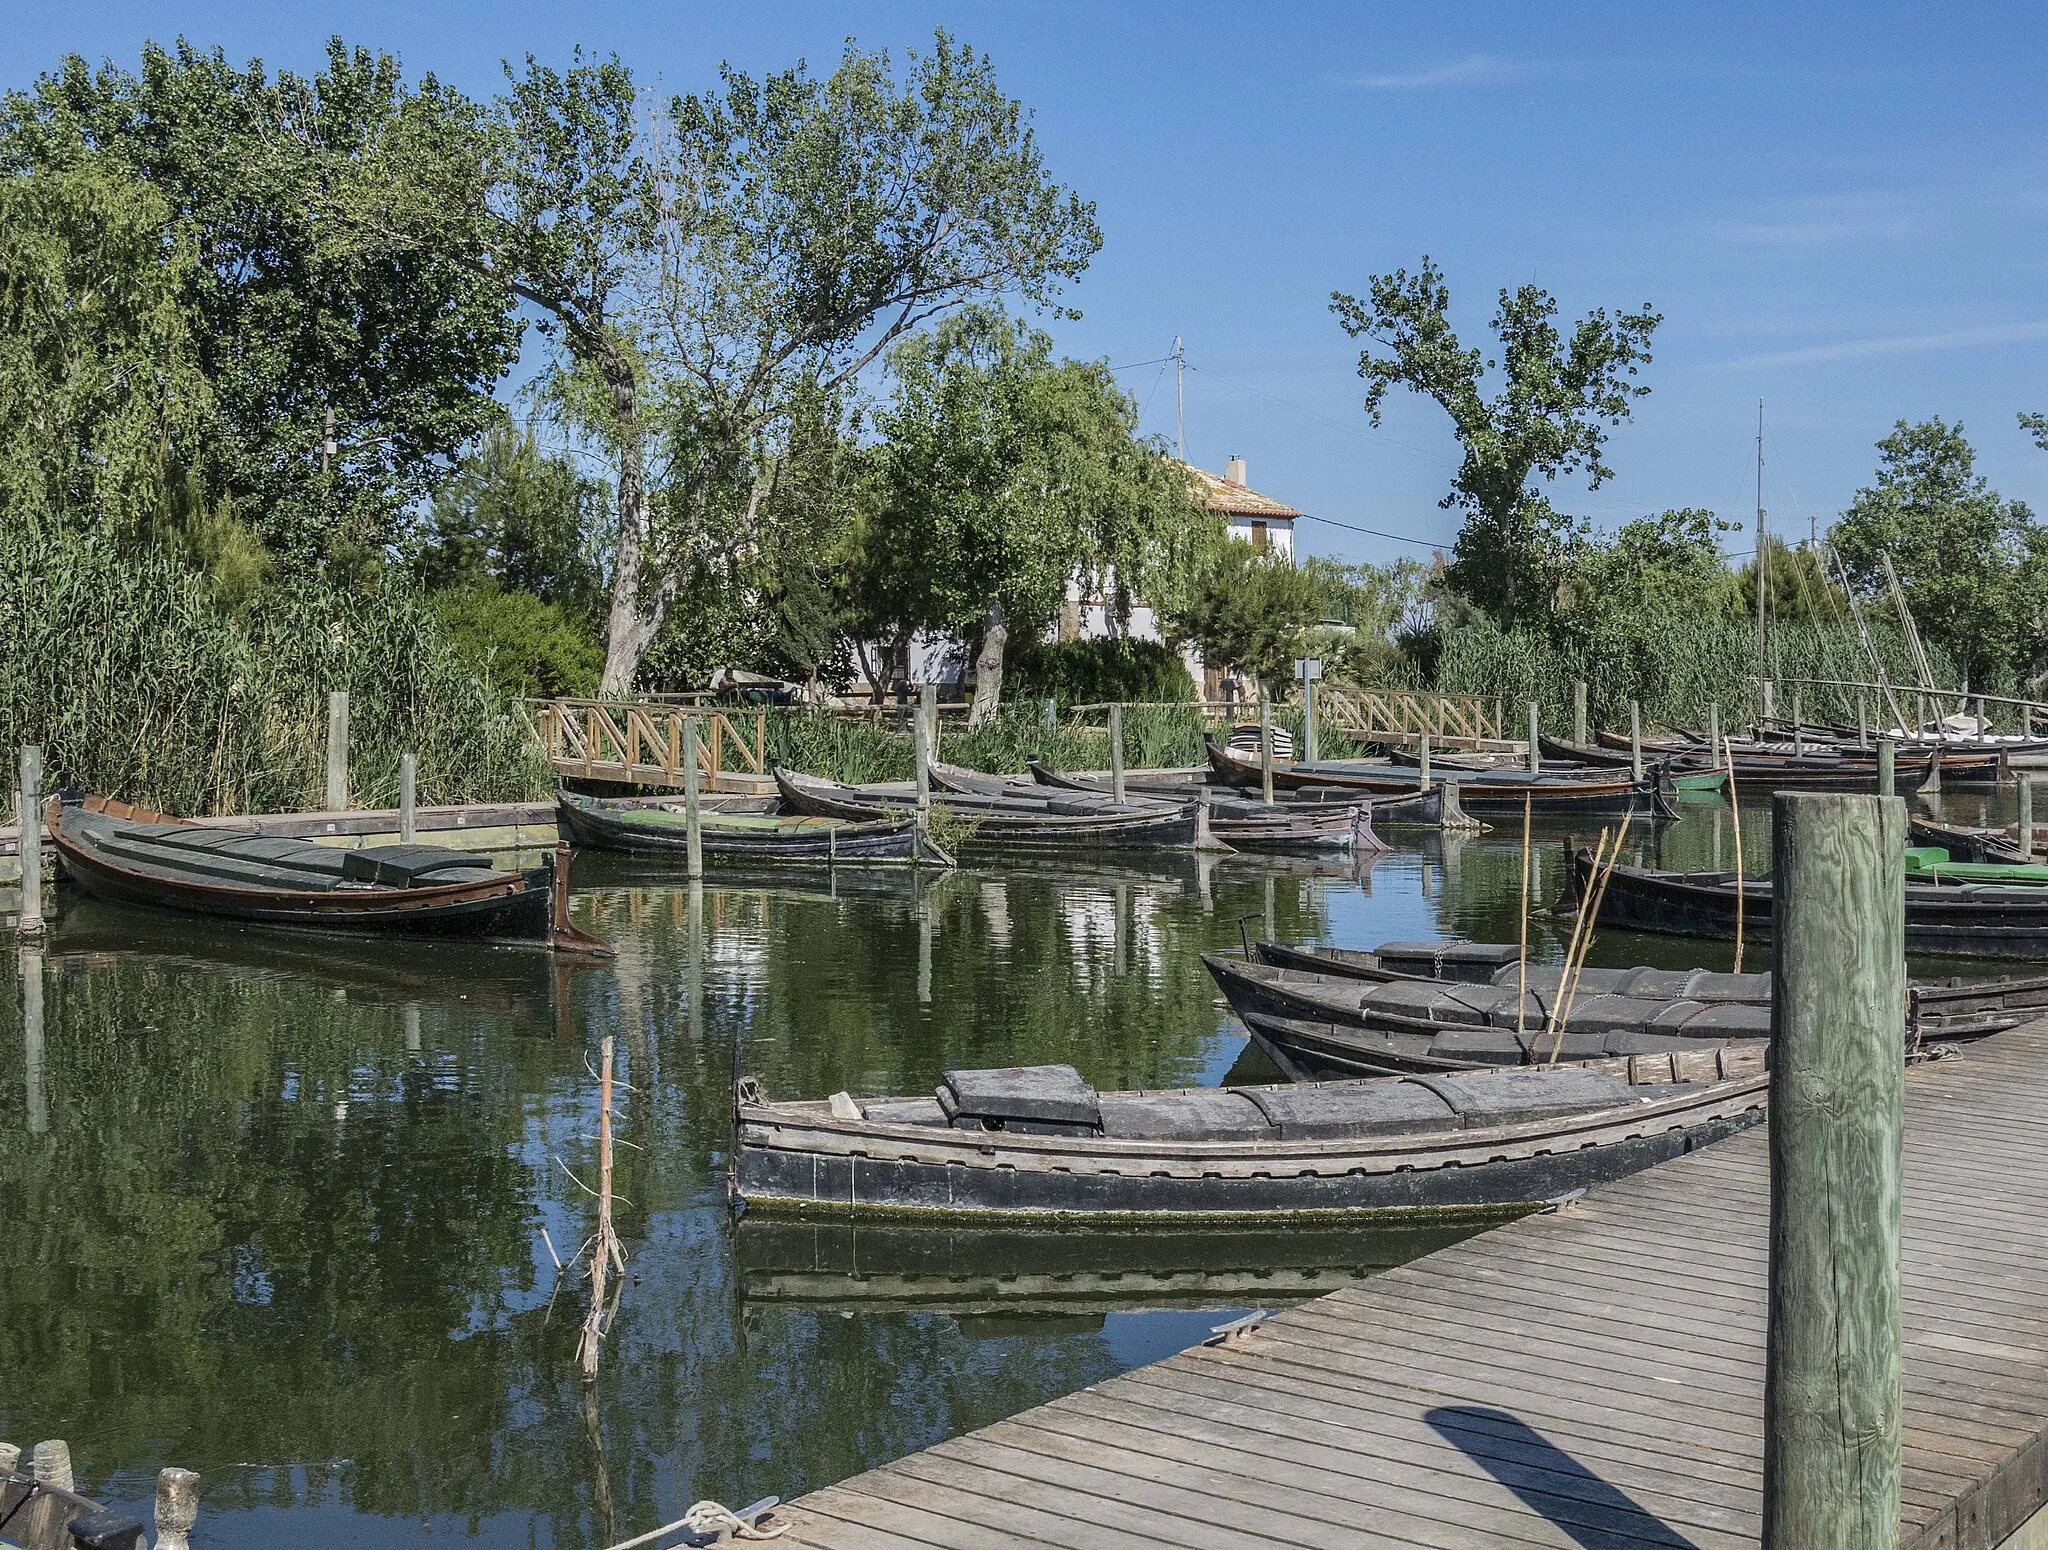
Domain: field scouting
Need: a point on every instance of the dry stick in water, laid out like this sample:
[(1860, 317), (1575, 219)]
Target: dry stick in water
[(604, 1250), (1578, 925), (1522, 978), (1597, 896), (1735, 818)]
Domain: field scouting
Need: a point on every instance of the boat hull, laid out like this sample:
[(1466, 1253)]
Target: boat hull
[(842, 843), (1160, 827)]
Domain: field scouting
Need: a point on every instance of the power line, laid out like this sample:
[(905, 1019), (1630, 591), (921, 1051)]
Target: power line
[(1352, 527)]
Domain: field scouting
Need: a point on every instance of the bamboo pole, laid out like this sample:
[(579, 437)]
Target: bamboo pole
[(1832, 1356), (1599, 897), (1522, 977), (1735, 820), (1578, 926)]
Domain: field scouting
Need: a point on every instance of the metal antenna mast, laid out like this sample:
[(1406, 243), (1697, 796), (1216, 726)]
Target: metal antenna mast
[(1760, 547), (1180, 407)]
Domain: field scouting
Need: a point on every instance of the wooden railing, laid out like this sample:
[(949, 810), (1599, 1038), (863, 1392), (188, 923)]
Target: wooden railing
[(641, 742), (1404, 714)]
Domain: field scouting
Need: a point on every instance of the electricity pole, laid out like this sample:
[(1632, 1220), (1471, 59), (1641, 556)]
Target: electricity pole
[(1180, 405)]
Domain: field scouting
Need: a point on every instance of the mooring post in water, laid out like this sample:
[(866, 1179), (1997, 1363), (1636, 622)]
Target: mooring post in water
[(177, 1508), (29, 810), (1635, 739), (1116, 752), (1887, 767), (1424, 750), (52, 1464), (1838, 980), (1798, 728), (35, 1060), (1931, 786), (921, 757), (1265, 746), (1308, 719), (1770, 711), (1862, 721), (693, 804), (2024, 829), (1535, 753), (1579, 711), (928, 703), (337, 751), (408, 793)]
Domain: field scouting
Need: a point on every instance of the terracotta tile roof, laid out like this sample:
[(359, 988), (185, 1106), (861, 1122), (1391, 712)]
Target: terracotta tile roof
[(1236, 500)]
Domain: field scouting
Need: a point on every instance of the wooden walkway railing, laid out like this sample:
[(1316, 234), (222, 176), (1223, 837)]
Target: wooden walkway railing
[(642, 742), (1402, 714)]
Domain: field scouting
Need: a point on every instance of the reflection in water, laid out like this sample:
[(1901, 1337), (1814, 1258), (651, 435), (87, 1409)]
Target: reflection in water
[(277, 1205)]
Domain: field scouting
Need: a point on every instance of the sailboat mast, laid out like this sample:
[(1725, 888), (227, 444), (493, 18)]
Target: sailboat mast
[(1761, 550)]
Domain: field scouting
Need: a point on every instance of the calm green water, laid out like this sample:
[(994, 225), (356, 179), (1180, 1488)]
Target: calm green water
[(275, 1209)]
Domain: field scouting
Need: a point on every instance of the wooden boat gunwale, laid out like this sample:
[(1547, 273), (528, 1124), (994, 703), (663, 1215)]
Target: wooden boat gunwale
[(880, 842)]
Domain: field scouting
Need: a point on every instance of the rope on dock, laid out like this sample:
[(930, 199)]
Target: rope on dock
[(712, 1518)]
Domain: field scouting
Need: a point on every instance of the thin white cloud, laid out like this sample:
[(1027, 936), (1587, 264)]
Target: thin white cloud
[(1822, 220), (1896, 344), (1473, 70)]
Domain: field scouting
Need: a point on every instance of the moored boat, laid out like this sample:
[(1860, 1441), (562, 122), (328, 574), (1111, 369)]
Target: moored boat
[(1001, 822), (746, 837), (1041, 1144), (1500, 791), (1294, 827), (132, 855)]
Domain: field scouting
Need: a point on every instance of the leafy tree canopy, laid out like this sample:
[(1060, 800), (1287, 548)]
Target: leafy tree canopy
[(402, 347), (1973, 565), (1250, 611), (1668, 564), (1550, 416)]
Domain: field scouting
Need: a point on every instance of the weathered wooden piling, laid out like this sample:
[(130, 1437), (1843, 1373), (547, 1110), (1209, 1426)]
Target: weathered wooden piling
[(2025, 827), (1770, 710), (1887, 767), (1116, 752), (177, 1508), (408, 793), (1862, 721), (1713, 727), (34, 1054), (1931, 786), (1266, 748), (1535, 753), (1798, 728), (1579, 711), (1423, 749), (693, 803), (52, 1464), (1838, 981), (337, 751), (921, 754), (29, 813), (1635, 739), (1308, 718)]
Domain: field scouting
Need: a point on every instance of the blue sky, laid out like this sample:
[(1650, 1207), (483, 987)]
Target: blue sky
[(1842, 210)]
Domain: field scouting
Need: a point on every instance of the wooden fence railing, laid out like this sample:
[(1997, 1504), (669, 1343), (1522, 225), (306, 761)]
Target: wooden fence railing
[(1408, 713), (642, 742)]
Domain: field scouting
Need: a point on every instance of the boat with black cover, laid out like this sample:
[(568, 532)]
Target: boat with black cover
[(131, 855), (1040, 1144), (1963, 920), (746, 837), (1002, 822)]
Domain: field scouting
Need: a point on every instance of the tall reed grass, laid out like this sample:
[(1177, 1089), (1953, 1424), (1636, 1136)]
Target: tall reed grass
[(119, 663)]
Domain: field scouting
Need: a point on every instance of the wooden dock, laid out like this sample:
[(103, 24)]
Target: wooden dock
[(1591, 1377)]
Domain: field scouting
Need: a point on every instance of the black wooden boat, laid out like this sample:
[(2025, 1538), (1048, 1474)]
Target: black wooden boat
[(1780, 766), (1309, 1051), (1001, 822), (1418, 809), (131, 855), (1963, 843), (746, 837), (1500, 791), (1293, 827), (1040, 1144), (1964, 920)]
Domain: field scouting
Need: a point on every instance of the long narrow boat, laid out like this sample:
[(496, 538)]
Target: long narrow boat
[(1967, 920), (1039, 1144), (1827, 767), (132, 855), (1684, 772), (1002, 823), (746, 837), (1309, 1051), (1479, 791), (1298, 828), (1419, 809), (1975, 844)]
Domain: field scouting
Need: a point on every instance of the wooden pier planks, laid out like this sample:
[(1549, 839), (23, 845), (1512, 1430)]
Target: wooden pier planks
[(1590, 1377)]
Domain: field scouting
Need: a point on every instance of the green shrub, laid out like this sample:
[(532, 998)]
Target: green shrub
[(1095, 672), (519, 645)]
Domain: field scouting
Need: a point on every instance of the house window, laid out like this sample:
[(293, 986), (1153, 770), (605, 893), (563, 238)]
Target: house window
[(1258, 535)]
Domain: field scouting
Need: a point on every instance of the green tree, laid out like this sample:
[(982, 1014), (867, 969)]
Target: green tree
[(1249, 610), (522, 519), (764, 241), (400, 348), (1973, 565), (1002, 476), (1797, 587), (1549, 417), (1668, 565)]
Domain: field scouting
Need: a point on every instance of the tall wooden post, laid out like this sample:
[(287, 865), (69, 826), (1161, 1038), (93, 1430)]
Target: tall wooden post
[(1535, 753), (408, 792), (693, 811), (1770, 710), (337, 751), (177, 1508), (1579, 711), (1798, 728), (35, 1058), (1425, 760), (1862, 720), (1265, 746), (1308, 720), (1838, 982), (29, 809), (1887, 767), (1116, 752), (921, 754), (1635, 739), (1713, 726), (2025, 827), (928, 707)]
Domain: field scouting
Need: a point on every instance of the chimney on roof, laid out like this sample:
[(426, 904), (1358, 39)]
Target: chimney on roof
[(1233, 472)]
